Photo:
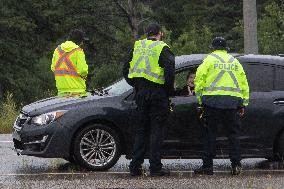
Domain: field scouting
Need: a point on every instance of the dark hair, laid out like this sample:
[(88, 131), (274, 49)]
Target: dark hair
[(153, 29), (76, 35), (189, 73)]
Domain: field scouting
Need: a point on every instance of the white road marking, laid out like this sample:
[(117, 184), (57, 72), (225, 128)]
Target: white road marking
[(6, 141), (95, 173)]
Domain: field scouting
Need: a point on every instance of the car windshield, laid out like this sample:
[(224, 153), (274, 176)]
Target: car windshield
[(117, 88)]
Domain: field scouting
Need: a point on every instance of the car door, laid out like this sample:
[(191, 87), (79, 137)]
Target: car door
[(183, 133), (264, 119), (170, 143)]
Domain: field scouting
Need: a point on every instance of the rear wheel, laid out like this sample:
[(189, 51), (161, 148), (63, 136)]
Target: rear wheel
[(97, 147)]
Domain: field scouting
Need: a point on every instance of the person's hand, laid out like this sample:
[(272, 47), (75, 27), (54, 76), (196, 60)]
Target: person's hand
[(242, 112), (200, 111), (84, 77), (190, 92)]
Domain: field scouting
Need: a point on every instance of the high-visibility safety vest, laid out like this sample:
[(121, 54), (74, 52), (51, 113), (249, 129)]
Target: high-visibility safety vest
[(221, 74), (145, 61), (70, 68)]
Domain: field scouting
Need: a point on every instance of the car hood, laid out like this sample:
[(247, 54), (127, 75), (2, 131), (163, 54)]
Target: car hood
[(56, 103)]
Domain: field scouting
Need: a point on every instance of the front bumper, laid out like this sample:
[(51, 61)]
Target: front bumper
[(50, 141)]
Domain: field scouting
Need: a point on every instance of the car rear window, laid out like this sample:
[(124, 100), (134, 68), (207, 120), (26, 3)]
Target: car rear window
[(279, 78), (260, 76)]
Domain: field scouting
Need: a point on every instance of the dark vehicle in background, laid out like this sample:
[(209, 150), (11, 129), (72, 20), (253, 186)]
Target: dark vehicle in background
[(95, 130)]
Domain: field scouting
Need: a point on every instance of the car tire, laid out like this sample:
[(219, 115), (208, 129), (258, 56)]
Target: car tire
[(97, 147)]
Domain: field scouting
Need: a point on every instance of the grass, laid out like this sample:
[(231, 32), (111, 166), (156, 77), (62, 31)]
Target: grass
[(8, 114)]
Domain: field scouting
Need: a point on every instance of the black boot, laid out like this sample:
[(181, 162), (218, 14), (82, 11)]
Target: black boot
[(135, 171), (162, 172), (204, 171), (236, 170)]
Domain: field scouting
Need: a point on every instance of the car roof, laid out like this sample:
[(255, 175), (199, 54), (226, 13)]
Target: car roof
[(195, 59)]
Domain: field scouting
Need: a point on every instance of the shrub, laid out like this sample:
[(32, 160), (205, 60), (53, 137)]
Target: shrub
[(105, 75), (8, 114)]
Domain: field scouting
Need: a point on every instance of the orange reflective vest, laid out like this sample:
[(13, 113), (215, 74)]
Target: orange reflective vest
[(70, 69)]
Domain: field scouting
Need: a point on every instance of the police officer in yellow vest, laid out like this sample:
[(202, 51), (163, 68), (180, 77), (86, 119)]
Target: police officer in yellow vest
[(69, 65), (150, 70), (222, 89)]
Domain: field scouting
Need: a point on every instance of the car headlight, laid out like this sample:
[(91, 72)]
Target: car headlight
[(47, 118)]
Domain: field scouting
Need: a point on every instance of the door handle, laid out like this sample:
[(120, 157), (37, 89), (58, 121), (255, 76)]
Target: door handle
[(278, 101)]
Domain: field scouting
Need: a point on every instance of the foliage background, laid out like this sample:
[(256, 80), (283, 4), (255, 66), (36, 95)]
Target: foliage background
[(31, 29)]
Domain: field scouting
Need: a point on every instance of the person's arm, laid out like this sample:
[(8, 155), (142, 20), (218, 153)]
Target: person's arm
[(82, 66), (244, 86), (167, 61), (54, 60), (200, 80), (126, 67)]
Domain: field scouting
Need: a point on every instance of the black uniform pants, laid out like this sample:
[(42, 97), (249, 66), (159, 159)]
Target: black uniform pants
[(153, 109), (230, 120)]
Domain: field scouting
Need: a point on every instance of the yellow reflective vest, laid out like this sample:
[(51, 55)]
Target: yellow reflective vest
[(221, 74), (70, 68), (145, 61)]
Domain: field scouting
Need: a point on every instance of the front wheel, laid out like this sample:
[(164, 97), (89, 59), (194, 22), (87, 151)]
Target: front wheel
[(97, 147)]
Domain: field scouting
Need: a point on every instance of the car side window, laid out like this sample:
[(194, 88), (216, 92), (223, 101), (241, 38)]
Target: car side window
[(260, 76), (279, 79), (184, 82)]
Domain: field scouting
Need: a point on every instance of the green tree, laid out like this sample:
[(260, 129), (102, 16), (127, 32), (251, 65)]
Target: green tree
[(271, 29)]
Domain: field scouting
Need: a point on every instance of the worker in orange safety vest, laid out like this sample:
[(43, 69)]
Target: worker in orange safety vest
[(69, 65)]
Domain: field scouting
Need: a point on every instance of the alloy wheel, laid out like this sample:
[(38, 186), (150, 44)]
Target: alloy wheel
[(97, 147)]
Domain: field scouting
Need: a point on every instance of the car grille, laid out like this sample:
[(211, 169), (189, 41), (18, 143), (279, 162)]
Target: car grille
[(21, 119)]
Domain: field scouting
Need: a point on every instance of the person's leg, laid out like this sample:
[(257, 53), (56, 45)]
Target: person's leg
[(209, 140), (232, 123), (158, 114), (141, 138), (209, 128)]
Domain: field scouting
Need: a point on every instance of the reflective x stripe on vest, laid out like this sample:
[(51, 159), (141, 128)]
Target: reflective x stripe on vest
[(64, 59), (145, 57), (213, 87)]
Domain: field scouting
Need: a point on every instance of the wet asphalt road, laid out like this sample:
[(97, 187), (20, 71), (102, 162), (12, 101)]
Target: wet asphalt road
[(31, 172)]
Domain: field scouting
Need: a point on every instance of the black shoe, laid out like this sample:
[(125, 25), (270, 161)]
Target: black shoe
[(162, 172), (236, 170), (136, 172), (204, 171)]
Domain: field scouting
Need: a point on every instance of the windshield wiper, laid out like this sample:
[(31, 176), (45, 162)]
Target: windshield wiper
[(105, 91), (99, 92)]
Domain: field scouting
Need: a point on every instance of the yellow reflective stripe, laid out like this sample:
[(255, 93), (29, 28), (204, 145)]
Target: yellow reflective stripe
[(231, 89), (221, 59), (219, 76), (60, 50), (66, 72), (143, 43), (235, 80), (145, 58), (213, 87), (147, 72), (154, 44), (63, 58)]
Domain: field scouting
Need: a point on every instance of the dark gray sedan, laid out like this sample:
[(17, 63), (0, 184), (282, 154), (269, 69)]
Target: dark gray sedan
[(95, 130)]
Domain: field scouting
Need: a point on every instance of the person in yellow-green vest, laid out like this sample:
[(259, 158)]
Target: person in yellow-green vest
[(222, 90), (150, 70), (69, 65)]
